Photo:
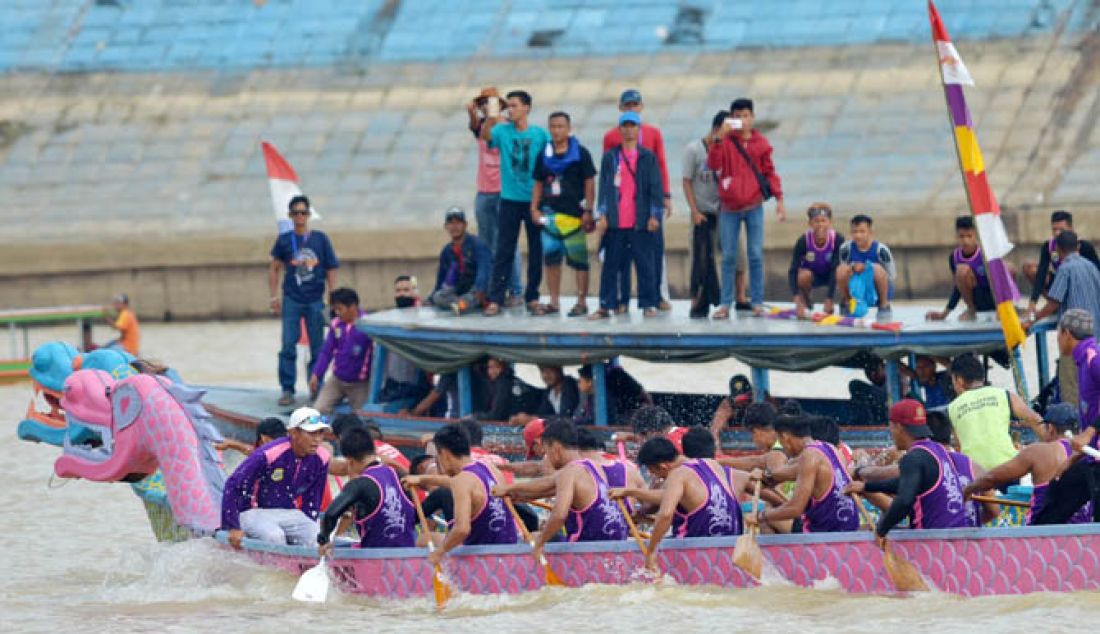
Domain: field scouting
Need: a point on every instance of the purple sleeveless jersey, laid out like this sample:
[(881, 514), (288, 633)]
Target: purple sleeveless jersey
[(602, 519), (720, 514), (1039, 495), (964, 466), (393, 523), (942, 506), (833, 512), (819, 259), (492, 524), (974, 262)]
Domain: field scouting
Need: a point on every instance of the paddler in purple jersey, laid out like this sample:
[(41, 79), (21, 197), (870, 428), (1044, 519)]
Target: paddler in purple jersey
[(820, 478), (479, 518), (699, 497), (1041, 460), (384, 515), (581, 502), (927, 489), (977, 513), (968, 271), (814, 260)]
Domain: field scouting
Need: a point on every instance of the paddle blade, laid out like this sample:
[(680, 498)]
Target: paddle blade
[(441, 589), (747, 555), (552, 578), (903, 573), (312, 585)]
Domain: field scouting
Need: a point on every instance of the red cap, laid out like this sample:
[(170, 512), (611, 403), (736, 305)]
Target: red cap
[(532, 431), (910, 415)]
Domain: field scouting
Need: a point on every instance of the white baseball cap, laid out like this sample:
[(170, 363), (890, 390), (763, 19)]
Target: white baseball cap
[(307, 419)]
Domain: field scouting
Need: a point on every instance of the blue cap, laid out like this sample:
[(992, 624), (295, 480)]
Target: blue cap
[(630, 117), (630, 96), (1062, 415)]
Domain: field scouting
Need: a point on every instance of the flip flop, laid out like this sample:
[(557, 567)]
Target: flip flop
[(721, 314), (602, 313), (492, 309), (536, 309), (578, 310), (550, 309)]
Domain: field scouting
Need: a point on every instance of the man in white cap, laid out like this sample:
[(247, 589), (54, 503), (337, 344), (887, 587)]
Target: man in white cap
[(275, 494)]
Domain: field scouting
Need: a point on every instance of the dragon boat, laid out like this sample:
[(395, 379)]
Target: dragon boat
[(139, 425)]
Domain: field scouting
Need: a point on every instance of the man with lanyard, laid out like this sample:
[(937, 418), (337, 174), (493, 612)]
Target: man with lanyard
[(968, 271), (465, 266), (310, 263), (927, 489), (819, 476), (384, 515), (275, 494), (561, 203), (629, 214), (349, 350), (981, 414), (479, 518), (1078, 481), (649, 137), (581, 502), (1041, 275), (814, 260), (1042, 461)]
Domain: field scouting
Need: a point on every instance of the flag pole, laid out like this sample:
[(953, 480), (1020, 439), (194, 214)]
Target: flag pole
[(1016, 362)]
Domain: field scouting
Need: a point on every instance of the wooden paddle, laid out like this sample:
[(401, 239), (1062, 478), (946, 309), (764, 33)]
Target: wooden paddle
[(1002, 501), (903, 574), (633, 528), (747, 554), (442, 590), (540, 504), (552, 578)]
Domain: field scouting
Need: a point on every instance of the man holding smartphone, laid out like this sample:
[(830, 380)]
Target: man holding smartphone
[(742, 158)]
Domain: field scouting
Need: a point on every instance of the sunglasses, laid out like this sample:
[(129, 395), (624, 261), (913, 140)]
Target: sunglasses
[(300, 212)]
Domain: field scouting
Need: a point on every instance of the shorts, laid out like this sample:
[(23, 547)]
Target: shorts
[(563, 237), (983, 299), (820, 280)]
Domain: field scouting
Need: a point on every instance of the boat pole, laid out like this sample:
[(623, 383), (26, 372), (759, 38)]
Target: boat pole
[(1018, 374), (465, 393), (893, 380), (1042, 358), (761, 384), (599, 386), (377, 372)]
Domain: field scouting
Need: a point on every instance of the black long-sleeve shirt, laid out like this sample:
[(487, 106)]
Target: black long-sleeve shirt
[(799, 252), (1084, 247), (919, 473), (362, 493)]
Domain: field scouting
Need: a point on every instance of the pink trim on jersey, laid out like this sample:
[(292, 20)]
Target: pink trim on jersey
[(580, 514), (831, 479), (272, 453), (918, 509)]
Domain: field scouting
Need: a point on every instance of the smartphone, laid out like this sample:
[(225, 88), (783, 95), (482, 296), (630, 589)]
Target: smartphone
[(734, 123), (492, 107)]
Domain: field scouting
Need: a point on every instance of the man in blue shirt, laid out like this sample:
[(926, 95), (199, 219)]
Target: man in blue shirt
[(310, 263), (519, 143)]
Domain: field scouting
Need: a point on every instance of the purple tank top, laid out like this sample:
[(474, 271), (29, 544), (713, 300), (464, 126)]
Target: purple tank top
[(493, 524), (943, 505), (602, 519), (964, 466), (719, 514), (819, 259), (833, 512), (974, 262), (393, 523), (1039, 496)]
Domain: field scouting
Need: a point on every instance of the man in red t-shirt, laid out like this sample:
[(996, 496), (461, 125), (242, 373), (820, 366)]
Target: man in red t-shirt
[(650, 138), (742, 158)]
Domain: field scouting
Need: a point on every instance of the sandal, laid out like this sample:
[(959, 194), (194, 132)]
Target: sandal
[(602, 313), (492, 309), (622, 310), (536, 309), (649, 312), (721, 313), (578, 310), (550, 309)]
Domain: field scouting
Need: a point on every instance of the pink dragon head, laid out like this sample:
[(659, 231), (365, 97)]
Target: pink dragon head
[(144, 422)]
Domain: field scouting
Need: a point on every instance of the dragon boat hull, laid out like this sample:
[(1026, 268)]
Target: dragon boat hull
[(967, 562)]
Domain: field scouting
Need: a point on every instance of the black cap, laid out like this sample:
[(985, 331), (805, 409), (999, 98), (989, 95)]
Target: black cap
[(454, 213), (271, 427)]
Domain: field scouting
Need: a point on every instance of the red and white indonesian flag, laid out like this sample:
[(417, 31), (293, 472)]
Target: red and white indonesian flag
[(283, 181)]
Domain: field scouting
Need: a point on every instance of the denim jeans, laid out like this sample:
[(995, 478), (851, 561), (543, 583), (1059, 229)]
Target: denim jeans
[(729, 231), (293, 313), (487, 212), (513, 215), (621, 247)]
